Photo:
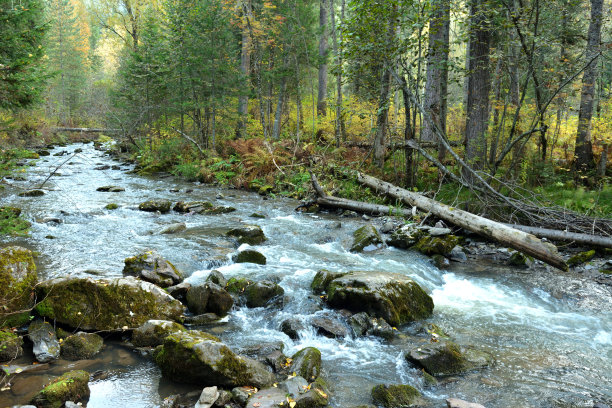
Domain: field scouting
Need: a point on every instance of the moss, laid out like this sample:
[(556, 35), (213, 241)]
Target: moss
[(11, 223), (365, 236), (581, 258), (250, 256), (520, 260), (395, 396), (322, 280), (18, 279), (81, 346), (233, 367), (437, 245), (10, 345), (71, 386), (111, 206), (237, 285), (307, 363)]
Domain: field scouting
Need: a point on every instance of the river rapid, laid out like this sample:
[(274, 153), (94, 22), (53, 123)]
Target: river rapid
[(550, 334)]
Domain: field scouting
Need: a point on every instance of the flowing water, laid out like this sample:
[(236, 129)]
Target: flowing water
[(551, 335)]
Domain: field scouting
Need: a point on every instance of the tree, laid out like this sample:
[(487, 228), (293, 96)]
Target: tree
[(323, 50), (22, 31)]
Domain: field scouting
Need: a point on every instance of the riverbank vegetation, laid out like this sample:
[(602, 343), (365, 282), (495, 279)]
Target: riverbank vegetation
[(443, 97)]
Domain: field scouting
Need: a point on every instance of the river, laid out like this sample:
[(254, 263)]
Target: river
[(550, 334)]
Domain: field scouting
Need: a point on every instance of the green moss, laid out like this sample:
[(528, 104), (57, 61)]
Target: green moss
[(11, 223), (519, 259), (237, 285), (71, 386), (395, 396), (581, 258), (437, 245), (365, 236), (18, 279), (322, 279), (111, 206), (250, 256), (233, 367)]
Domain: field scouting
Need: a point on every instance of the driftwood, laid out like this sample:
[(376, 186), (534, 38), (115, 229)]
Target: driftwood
[(556, 235), (85, 130), (519, 240)]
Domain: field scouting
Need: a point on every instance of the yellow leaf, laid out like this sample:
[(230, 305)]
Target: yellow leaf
[(292, 404)]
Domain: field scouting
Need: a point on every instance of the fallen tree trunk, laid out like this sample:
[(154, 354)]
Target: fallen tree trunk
[(519, 240), (85, 130), (556, 235)]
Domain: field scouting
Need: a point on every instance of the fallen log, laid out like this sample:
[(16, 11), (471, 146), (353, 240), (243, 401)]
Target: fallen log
[(85, 130), (565, 236), (519, 240)]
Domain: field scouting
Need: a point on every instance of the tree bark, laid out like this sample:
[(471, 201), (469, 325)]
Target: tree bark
[(501, 233), (584, 148), (339, 124), (323, 49), (281, 98), (245, 64)]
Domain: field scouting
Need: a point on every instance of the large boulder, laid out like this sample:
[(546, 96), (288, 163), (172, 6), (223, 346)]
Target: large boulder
[(264, 293), (18, 279), (105, 304), (71, 386), (391, 296), (161, 204), (199, 358), (306, 363), (396, 396), (366, 238), (10, 346), (447, 358), (153, 332), (151, 267), (248, 234), (322, 280), (81, 346), (209, 298), (46, 346)]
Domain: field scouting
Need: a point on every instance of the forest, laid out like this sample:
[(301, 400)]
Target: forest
[(447, 97)]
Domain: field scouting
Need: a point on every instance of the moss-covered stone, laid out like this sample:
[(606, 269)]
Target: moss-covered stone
[(365, 237), (209, 298), (18, 279), (447, 358), (393, 297), (11, 223), (396, 396), (264, 293), (31, 193), (151, 267), (81, 346), (316, 395), (153, 332), (10, 346), (105, 304), (580, 258), (72, 386), (437, 245), (520, 260), (201, 207), (237, 286), (440, 261), (307, 363), (406, 236), (198, 358), (162, 205), (248, 234), (111, 206), (322, 280), (250, 256)]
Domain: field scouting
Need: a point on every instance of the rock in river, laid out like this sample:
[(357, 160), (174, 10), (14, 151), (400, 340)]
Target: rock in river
[(394, 297), (71, 386), (394, 396), (307, 363), (46, 346), (248, 234), (17, 281), (447, 358), (153, 332), (365, 238), (81, 346), (10, 346), (264, 293), (162, 205), (151, 267), (209, 298), (105, 304), (31, 193)]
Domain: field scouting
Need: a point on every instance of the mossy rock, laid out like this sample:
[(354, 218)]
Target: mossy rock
[(105, 304), (153, 332), (237, 286), (160, 204), (111, 206), (71, 386), (391, 296), (151, 267), (81, 346), (10, 346), (264, 293), (11, 223), (199, 358), (18, 278), (250, 256), (248, 234), (366, 237), (406, 236), (580, 258), (396, 396), (307, 363), (322, 280), (313, 395), (437, 245), (520, 260), (31, 193), (192, 206), (209, 298), (445, 358)]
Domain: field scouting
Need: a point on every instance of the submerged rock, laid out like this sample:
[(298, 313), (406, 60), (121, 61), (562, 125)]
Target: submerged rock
[(71, 386), (395, 396), (161, 204), (201, 207), (10, 346), (18, 279), (262, 294), (31, 193), (250, 256), (391, 296), (151, 267), (199, 358), (153, 332), (173, 228), (46, 346), (110, 189), (330, 327), (307, 363), (105, 304), (81, 346), (209, 298), (248, 234), (366, 237), (364, 324), (447, 358)]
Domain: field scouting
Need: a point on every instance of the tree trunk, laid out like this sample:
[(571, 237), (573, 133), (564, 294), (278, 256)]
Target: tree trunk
[(339, 124), (584, 148), (245, 63), (279, 105), (323, 48), (382, 116), (479, 86), (501, 233)]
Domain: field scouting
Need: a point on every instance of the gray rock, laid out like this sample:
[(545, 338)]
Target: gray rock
[(173, 228), (387, 227), (322, 280), (208, 397), (153, 332), (438, 232), (151, 267), (267, 398), (264, 293), (306, 363), (162, 205), (457, 403), (81, 346), (209, 298), (179, 291), (248, 234), (242, 394), (217, 277), (70, 404), (51, 220), (405, 236), (457, 254), (31, 193), (250, 256), (291, 327), (330, 327), (46, 346), (366, 238), (203, 319), (294, 386), (110, 189), (363, 324)]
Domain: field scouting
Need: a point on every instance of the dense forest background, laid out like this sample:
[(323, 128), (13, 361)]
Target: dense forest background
[(436, 95)]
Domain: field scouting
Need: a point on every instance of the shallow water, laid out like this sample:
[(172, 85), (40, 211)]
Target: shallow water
[(549, 350)]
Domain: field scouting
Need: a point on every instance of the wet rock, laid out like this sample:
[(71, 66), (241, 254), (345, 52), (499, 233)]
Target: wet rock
[(217, 277), (111, 206), (457, 254), (438, 231), (440, 261), (267, 398), (306, 363), (291, 327), (173, 228), (520, 260), (71, 386), (18, 279), (42, 153), (363, 324), (105, 304), (429, 245), (391, 296), (394, 396), (208, 397), (202, 319), (388, 227), (580, 258), (198, 358), (250, 256), (457, 403), (224, 400), (248, 234), (51, 220), (179, 291), (329, 327), (366, 238), (262, 294), (242, 394), (162, 205), (405, 236), (46, 346), (31, 193), (237, 286), (257, 215), (110, 189), (447, 358), (153, 332), (10, 346), (209, 298), (81, 346), (103, 167), (322, 280), (201, 207), (151, 267)]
